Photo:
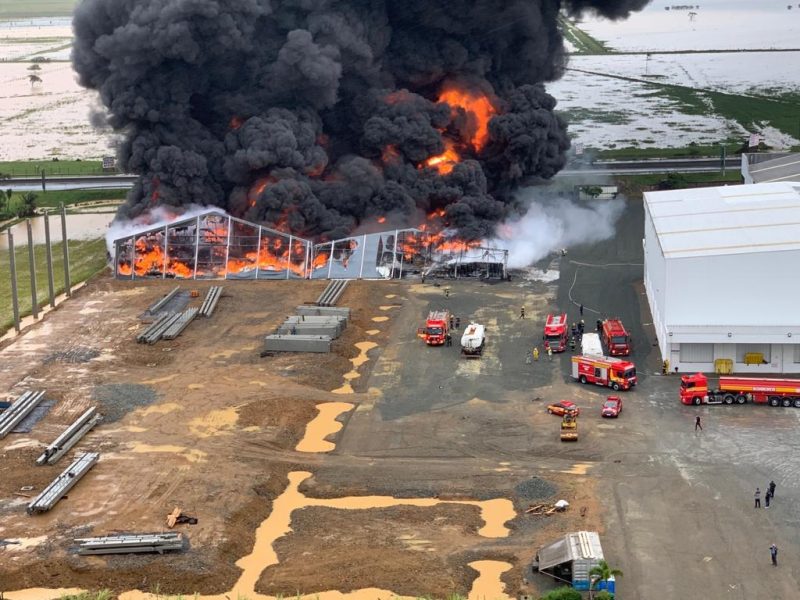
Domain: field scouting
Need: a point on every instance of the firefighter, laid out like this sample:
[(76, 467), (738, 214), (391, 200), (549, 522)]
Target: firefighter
[(458, 322), (536, 354), (572, 343), (581, 325), (574, 330), (522, 312), (550, 354), (451, 321), (599, 325)]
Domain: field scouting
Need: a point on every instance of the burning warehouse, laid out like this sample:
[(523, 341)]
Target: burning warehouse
[(319, 117), (213, 245)]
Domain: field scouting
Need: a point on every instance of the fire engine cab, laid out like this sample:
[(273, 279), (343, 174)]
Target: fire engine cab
[(615, 338), (436, 328), (603, 370), (555, 333)]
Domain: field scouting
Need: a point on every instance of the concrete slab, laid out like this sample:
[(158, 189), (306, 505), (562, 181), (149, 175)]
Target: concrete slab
[(316, 319), (332, 330), (341, 311), (297, 343)]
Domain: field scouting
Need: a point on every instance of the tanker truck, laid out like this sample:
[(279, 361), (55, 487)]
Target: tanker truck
[(472, 341), (695, 389)]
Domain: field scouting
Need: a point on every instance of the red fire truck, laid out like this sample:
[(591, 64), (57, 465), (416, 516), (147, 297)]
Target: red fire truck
[(436, 328), (603, 370), (615, 338), (555, 333), (759, 390)]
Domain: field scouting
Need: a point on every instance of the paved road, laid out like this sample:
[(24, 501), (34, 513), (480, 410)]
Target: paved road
[(677, 505), (608, 167)]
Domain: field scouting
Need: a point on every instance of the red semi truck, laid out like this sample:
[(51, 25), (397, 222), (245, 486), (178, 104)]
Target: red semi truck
[(615, 338), (555, 333), (739, 390)]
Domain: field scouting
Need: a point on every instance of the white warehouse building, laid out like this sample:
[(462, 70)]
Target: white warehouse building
[(722, 276)]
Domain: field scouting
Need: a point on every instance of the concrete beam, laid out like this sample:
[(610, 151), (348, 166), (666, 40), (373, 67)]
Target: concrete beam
[(297, 343)]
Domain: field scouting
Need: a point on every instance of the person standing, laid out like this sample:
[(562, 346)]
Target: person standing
[(448, 340), (773, 553), (599, 325), (458, 322), (757, 497), (451, 321), (767, 498), (522, 312), (549, 354), (772, 488), (536, 354), (698, 424), (581, 309)]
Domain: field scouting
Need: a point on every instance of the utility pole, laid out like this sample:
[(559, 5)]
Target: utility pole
[(14, 298), (32, 266)]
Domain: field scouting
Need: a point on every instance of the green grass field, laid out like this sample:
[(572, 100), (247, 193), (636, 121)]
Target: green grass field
[(20, 9), (86, 258), (68, 197), (34, 168)]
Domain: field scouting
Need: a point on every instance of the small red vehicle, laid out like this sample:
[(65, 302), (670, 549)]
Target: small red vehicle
[(612, 407), (563, 407)]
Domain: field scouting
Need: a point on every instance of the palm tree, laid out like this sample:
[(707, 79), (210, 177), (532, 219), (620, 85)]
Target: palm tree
[(602, 572)]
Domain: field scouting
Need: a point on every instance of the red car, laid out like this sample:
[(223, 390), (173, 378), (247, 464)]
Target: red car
[(563, 407), (612, 407)]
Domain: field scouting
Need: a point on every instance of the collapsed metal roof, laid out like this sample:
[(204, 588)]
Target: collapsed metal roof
[(214, 245)]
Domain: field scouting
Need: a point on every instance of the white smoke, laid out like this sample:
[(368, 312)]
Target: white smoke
[(158, 216), (555, 223)]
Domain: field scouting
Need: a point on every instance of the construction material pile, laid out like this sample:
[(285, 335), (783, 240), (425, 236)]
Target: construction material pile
[(312, 329), (168, 324)]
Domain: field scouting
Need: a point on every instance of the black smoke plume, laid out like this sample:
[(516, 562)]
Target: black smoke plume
[(321, 115)]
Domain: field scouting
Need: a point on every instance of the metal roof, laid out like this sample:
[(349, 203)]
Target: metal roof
[(580, 545), (735, 219), (784, 168)]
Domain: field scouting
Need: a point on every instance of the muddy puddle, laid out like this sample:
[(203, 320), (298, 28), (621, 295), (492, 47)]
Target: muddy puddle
[(363, 348), (323, 425)]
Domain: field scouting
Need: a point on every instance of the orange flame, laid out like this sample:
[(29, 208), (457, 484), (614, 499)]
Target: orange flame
[(381, 220), (444, 162), (479, 109), (258, 188), (390, 154)]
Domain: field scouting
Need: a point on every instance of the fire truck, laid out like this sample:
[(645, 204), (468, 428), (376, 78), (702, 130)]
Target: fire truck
[(603, 370), (739, 390), (436, 328), (555, 333), (615, 338)]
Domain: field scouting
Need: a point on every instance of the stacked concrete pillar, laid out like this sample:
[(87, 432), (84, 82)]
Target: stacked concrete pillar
[(308, 332)]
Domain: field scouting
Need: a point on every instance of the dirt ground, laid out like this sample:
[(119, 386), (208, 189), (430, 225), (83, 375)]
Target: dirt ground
[(210, 427)]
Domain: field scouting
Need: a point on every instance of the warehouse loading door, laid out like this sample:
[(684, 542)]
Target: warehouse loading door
[(697, 353)]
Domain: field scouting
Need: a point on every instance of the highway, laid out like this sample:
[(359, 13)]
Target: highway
[(573, 169)]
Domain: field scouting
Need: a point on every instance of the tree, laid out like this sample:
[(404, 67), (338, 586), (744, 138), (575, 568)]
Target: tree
[(34, 79), (562, 593), (34, 67), (28, 208), (602, 572), (5, 200)]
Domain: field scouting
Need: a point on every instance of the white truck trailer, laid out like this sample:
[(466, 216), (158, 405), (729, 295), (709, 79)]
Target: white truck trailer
[(473, 340), (590, 345)]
